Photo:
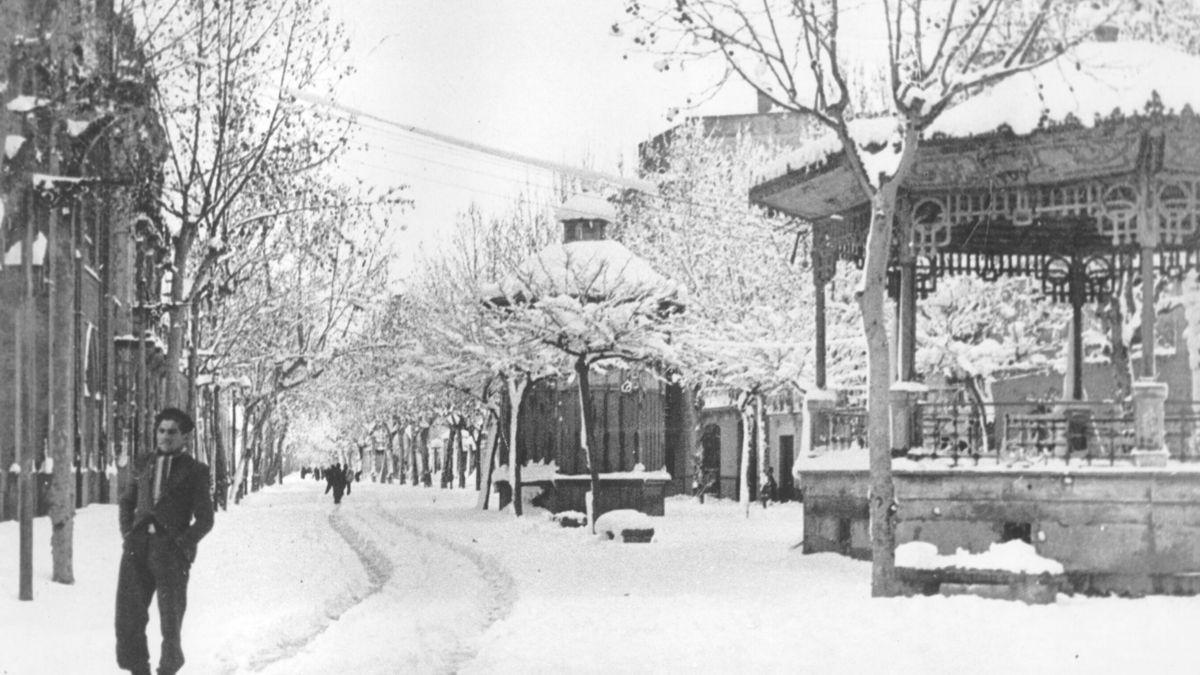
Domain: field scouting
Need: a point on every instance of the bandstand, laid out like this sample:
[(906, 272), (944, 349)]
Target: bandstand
[(1073, 173)]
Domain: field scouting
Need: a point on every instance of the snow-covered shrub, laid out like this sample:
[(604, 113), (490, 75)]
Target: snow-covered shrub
[(570, 518), (627, 525)]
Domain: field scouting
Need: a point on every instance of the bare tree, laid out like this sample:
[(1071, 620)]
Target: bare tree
[(221, 72)]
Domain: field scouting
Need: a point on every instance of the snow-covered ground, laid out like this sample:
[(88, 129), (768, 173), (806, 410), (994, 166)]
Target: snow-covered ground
[(414, 580)]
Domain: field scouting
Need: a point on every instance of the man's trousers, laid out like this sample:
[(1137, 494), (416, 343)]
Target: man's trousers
[(150, 563)]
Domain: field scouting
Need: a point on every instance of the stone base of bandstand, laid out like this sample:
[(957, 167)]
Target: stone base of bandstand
[(1151, 458)]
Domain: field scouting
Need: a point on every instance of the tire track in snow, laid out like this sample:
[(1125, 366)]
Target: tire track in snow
[(379, 569), (500, 589), (386, 543)]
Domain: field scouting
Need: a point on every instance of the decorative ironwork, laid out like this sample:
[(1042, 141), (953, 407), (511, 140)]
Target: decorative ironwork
[(1118, 214), (841, 238), (1177, 210), (931, 226), (1175, 265)]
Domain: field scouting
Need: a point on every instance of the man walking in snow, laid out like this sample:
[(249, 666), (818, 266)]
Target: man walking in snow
[(335, 480), (164, 512)]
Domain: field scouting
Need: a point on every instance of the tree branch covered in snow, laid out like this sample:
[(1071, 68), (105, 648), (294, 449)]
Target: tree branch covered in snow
[(220, 70)]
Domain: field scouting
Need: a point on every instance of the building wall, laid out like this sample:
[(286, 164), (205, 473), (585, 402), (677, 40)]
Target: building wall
[(633, 425), (101, 300), (784, 429), (781, 427), (726, 423), (1124, 531)]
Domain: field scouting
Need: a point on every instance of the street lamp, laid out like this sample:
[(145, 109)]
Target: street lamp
[(30, 252)]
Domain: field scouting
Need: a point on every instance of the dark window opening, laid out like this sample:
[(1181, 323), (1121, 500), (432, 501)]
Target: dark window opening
[(1022, 531), (843, 533)]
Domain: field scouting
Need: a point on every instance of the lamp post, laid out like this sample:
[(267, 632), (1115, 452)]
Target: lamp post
[(25, 382)]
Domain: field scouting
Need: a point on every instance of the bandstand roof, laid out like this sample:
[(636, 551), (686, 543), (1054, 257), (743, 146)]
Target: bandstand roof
[(1080, 117), (1096, 153)]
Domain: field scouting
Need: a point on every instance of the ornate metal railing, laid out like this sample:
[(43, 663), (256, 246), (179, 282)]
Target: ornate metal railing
[(1065, 431), (1069, 432), (841, 428)]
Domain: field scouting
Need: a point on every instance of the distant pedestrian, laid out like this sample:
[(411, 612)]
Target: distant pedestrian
[(347, 476), (165, 510), (335, 480), (767, 486)]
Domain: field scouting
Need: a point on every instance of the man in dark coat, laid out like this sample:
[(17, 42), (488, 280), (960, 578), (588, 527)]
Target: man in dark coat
[(164, 512), (335, 480)]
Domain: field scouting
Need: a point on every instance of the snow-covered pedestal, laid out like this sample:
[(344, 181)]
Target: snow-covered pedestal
[(903, 398), (1149, 411)]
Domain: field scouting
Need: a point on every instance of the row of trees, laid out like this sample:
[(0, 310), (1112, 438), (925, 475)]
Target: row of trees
[(275, 257)]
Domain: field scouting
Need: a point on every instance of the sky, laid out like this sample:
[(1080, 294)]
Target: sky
[(540, 78), (400, 579)]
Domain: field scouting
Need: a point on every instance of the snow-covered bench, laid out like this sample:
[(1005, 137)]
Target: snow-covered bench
[(1011, 571), (627, 525)]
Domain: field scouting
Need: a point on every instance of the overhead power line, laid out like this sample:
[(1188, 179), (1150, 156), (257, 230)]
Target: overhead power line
[(586, 174), (495, 155)]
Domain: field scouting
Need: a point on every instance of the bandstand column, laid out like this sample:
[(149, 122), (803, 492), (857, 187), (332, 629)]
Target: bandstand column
[(907, 334), (817, 405), (1076, 290), (1149, 369), (904, 395), (819, 329), (1149, 395)]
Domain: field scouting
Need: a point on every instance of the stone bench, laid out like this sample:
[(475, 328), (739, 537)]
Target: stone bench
[(1034, 589)]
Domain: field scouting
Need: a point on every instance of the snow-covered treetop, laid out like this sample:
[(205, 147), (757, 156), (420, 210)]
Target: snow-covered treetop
[(1095, 81), (587, 269), (974, 328)]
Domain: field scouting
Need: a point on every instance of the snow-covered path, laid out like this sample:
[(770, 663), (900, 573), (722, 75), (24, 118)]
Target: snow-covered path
[(286, 583), (429, 600), (415, 580)]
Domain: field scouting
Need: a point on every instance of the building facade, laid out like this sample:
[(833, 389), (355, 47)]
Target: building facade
[(82, 252)]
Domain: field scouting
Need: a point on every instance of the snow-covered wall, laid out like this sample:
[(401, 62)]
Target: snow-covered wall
[(1130, 531)]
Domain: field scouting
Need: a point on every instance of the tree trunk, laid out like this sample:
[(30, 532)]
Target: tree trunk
[(220, 482), (744, 477), (478, 438), (871, 297), (193, 363), (61, 395), (585, 432), (760, 450), (691, 438), (485, 490), (459, 463), (422, 457), (411, 437), (516, 392), (174, 393), (978, 403)]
